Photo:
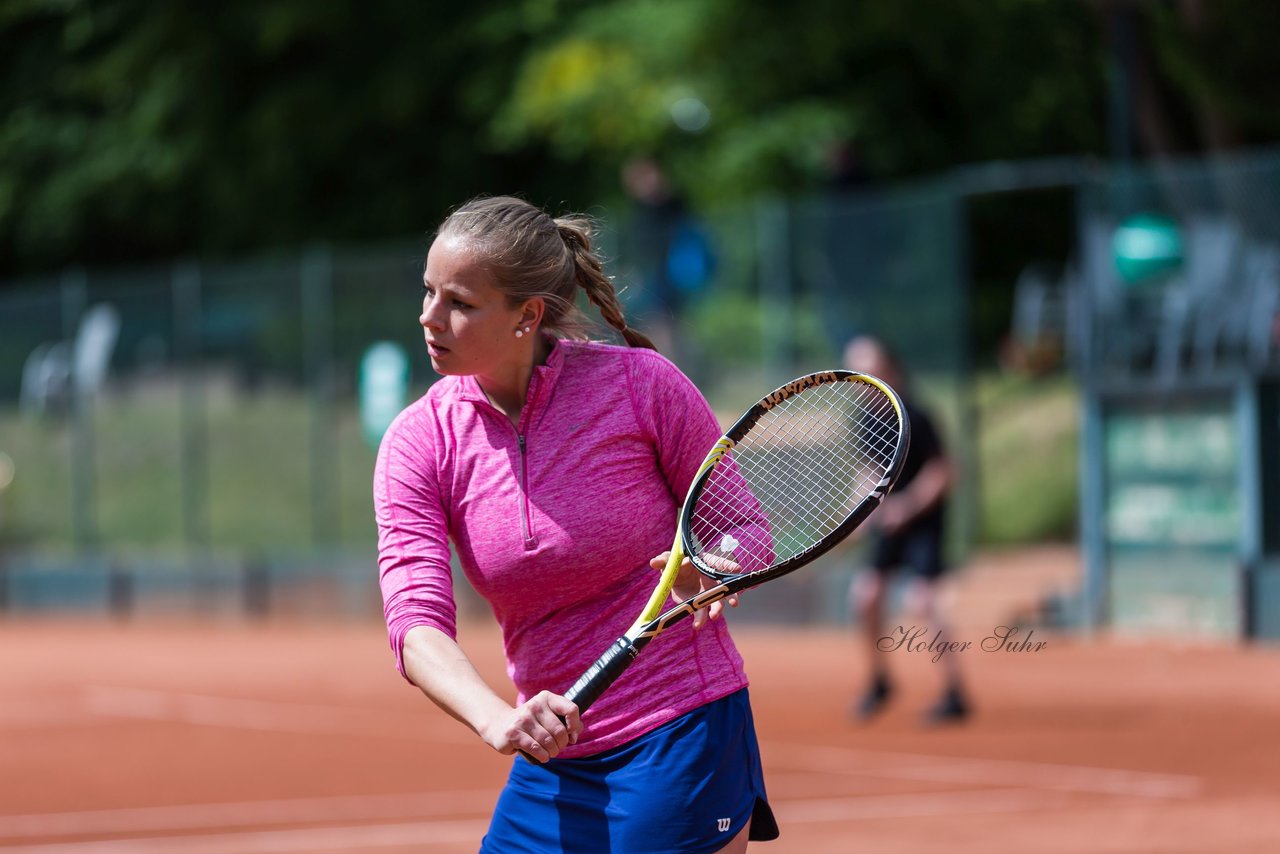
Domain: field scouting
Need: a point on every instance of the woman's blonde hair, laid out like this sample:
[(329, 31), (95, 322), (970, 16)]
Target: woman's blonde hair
[(530, 254)]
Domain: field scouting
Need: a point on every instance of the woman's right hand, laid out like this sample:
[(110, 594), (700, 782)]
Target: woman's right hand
[(540, 727), (689, 583)]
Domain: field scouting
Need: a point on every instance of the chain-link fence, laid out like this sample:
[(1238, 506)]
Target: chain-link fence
[(204, 418)]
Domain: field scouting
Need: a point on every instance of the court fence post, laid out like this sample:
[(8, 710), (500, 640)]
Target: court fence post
[(317, 334), (74, 286), (193, 433), (773, 260), (120, 589), (256, 586)]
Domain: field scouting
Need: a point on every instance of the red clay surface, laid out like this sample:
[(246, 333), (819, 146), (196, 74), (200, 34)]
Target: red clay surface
[(233, 737)]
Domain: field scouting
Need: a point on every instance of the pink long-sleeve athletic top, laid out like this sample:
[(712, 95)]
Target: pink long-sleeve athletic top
[(554, 520)]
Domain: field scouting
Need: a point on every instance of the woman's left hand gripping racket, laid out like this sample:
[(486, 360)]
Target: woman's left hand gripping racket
[(795, 475)]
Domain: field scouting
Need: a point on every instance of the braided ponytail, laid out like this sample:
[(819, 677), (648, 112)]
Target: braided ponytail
[(590, 276)]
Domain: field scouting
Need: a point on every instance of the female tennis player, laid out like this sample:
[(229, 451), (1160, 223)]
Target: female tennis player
[(556, 466)]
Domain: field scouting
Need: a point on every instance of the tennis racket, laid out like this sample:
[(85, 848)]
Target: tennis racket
[(795, 475)]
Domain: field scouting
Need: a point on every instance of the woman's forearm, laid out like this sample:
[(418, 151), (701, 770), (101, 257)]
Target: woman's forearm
[(540, 727), (437, 665)]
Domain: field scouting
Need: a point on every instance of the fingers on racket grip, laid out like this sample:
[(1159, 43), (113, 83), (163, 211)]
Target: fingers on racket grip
[(602, 674)]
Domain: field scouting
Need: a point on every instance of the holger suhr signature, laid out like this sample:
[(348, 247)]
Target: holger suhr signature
[(917, 639)]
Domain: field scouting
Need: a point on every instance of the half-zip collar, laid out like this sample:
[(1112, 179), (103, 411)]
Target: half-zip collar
[(541, 383)]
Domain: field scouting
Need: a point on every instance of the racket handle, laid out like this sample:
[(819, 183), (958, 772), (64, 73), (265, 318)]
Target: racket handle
[(598, 678), (602, 674)]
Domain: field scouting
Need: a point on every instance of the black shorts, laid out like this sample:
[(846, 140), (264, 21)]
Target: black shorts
[(917, 552)]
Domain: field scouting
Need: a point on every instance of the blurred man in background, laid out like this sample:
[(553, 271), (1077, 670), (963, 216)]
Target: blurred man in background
[(908, 537)]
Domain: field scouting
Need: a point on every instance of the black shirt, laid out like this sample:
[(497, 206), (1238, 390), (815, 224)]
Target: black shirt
[(925, 447)]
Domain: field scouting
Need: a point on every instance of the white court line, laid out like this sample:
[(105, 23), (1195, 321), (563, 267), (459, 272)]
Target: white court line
[(369, 837), (915, 804), (260, 715), (414, 805), (1039, 786), (356, 838), (984, 772)]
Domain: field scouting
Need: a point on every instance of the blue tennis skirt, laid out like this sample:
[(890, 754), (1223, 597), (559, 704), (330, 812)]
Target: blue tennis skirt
[(691, 785)]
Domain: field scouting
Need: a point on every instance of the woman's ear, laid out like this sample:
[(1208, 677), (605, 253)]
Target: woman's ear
[(532, 312)]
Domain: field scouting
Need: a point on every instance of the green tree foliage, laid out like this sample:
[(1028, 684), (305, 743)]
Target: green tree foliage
[(915, 85), (1205, 73), (137, 129), (134, 129)]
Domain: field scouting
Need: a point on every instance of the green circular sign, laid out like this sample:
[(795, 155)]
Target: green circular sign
[(1146, 248)]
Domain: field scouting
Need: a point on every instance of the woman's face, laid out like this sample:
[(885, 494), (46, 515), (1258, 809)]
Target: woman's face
[(468, 324)]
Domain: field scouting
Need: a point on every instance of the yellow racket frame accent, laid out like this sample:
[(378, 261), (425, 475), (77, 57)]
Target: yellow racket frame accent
[(668, 578)]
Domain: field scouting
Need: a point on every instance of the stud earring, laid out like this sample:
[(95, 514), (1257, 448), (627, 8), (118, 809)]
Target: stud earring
[(519, 333)]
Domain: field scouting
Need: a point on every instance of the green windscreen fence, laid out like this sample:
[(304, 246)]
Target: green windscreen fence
[(224, 428)]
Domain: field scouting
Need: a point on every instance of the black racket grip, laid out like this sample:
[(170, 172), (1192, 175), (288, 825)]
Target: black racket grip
[(602, 674), (598, 678)]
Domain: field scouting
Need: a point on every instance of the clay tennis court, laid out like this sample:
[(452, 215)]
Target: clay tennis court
[(230, 736)]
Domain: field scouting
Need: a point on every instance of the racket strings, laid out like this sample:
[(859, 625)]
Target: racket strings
[(873, 452), (826, 494), (879, 429), (785, 522), (870, 445), (796, 476)]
